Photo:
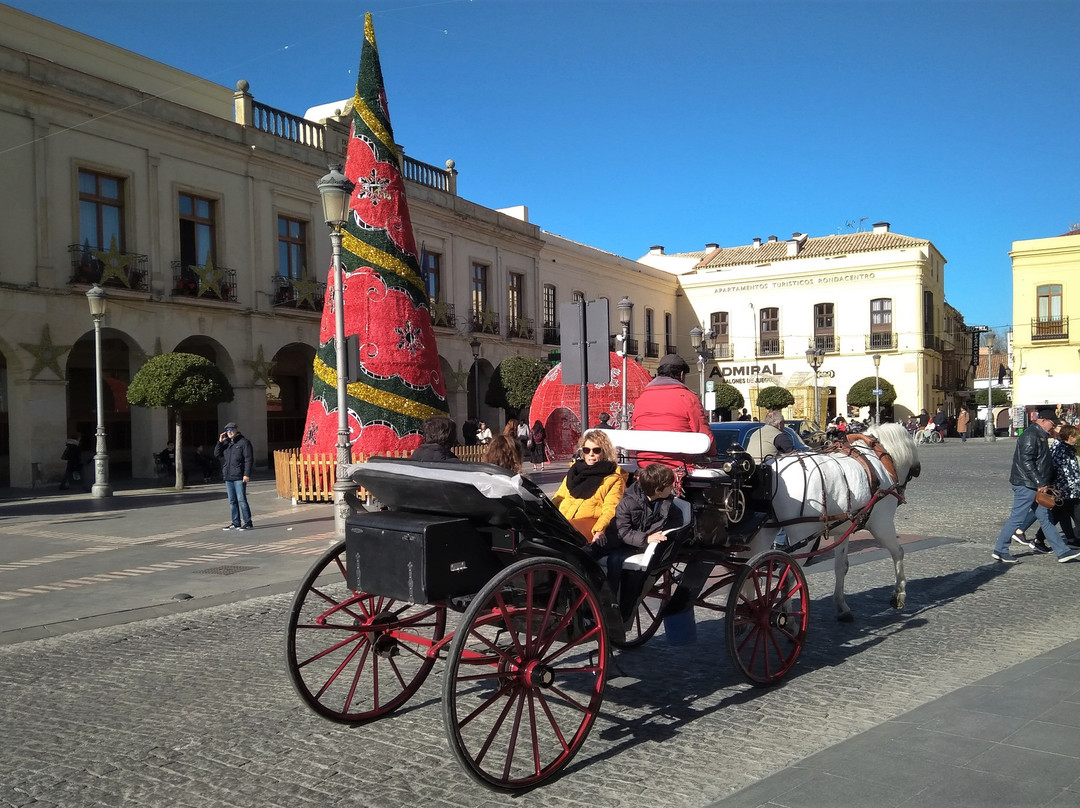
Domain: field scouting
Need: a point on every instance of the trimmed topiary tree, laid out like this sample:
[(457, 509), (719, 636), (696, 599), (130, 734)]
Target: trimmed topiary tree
[(861, 393), (775, 398), (1001, 397), (514, 383), (179, 381), (728, 397)]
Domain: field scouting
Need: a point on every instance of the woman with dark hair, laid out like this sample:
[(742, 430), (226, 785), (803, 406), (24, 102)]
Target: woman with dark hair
[(591, 490), (440, 437), (538, 445), (504, 450)]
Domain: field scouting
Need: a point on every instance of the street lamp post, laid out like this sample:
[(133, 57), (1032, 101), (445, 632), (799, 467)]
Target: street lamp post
[(475, 345), (98, 303), (625, 310), (815, 356), (335, 191), (699, 341), (877, 390), (989, 428)]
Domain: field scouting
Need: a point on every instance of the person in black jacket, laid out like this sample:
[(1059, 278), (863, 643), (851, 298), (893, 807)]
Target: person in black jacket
[(440, 437), (237, 460), (1032, 468)]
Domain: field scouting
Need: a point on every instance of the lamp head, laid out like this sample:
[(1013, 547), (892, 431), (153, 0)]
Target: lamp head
[(98, 301), (877, 360), (475, 345), (335, 190), (695, 338), (625, 307)]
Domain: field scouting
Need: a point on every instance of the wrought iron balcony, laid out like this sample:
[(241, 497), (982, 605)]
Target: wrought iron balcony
[(631, 347), (1050, 329), (652, 350), (881, 341), (214, 283), (722, 350), (108, 267), (932, 342), (302, 293), (826, 343), (442, 314), (520, 328), (551, 335), (484, 322), (770, 346), (669, 348)]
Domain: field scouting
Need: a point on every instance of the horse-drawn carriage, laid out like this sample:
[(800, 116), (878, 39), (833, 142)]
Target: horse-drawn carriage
[(526, 659)]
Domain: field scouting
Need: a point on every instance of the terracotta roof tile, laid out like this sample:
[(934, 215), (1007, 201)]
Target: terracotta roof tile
[(812, 247)]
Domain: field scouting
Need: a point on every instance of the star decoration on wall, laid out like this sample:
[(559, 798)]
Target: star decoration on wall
[(461, 377), (489, 322), (114, 264), (305, 291), (210, 278), (46, 354), (260, 368), (440, 313)]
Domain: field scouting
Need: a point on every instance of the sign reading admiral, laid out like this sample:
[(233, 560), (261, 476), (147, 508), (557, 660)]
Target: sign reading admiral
[(745, 374)]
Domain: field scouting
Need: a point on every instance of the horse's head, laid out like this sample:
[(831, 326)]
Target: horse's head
[(901, 448)]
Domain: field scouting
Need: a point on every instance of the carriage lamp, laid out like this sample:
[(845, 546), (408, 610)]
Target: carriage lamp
[(475, 345), (99, 302), (815, 356), (877, 390), (988, 430), (699, 341), (626, 308), (335, 190)]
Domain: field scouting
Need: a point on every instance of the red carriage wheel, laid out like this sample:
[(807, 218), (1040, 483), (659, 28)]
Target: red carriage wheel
[(525, 674), (647, 618), (352, 656), (768, 610)]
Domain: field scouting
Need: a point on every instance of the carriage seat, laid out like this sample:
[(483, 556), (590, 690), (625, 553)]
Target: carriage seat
[(640, 561)]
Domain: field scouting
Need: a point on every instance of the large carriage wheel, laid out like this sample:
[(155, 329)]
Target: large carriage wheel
[(647, 618), (767, 614), (525, 674), (352, 656)]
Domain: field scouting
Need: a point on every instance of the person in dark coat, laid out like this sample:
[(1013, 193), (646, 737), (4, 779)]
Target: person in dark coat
[(440, 437), (237, 460), (72, 455), (538, 445)]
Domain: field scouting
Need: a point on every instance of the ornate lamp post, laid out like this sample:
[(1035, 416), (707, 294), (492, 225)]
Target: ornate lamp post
[(699, 341), (877, 390), (814, 357), (475, 345), (335, 191), (989, 429), (625, 310), (98, 304)]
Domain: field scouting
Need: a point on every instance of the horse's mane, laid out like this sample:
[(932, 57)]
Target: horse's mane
[(898, 444)]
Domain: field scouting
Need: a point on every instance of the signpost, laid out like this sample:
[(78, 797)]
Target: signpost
[(584, 348)]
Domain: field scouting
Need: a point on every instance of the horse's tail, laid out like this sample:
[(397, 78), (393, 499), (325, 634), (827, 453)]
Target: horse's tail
[(901, 448)]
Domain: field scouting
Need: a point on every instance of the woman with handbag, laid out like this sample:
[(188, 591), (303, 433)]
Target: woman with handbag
[(537, 445), (1066, 485)]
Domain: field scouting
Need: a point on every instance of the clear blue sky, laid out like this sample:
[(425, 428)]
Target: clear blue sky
[(640, 122)]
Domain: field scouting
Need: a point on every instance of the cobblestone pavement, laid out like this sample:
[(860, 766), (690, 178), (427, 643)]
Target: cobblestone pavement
[(196, 709)]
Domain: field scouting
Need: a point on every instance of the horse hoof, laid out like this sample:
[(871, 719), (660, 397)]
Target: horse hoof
[(898, 603), (846, 617)]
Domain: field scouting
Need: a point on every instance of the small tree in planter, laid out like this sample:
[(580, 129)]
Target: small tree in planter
[(861, 393), (775, 398), (728, 397), (514, 382), (179, 381)]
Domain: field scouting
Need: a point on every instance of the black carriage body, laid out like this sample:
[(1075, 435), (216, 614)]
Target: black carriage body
[(422, 557)]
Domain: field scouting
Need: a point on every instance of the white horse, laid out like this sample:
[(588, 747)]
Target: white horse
[(815, 494)]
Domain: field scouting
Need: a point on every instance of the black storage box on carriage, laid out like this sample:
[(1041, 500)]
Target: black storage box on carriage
[(419, 557)]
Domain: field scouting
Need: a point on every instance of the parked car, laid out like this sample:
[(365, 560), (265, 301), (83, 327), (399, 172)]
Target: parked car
[(729, 433), (812, 434)]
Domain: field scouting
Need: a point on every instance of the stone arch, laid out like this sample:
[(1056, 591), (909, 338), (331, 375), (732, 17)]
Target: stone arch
[(288, 395), (202, 424)]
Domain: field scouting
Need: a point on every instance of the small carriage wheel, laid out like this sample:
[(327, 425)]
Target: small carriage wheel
[(525, 674), (768, 611), (353, 656), (647, 618), (735, 505)]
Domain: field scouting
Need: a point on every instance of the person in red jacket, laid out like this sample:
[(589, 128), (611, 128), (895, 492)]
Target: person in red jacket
[(667, 404)]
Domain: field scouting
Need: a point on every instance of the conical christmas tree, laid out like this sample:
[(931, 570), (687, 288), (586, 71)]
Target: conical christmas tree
[(385, 300)]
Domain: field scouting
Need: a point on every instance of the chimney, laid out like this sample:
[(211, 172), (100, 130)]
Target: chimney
[(881, 227), (793, 246), (656, 249), (772, 239), (757, 244), (711, 246)]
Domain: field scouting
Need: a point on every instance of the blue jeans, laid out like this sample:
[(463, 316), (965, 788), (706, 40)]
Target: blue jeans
[(1023, 515), (237, 491)]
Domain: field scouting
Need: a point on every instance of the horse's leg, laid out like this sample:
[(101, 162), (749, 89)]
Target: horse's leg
[(882, 526), (840, 567)]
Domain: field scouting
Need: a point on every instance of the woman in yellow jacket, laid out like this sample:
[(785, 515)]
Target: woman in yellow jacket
[(593, 486)]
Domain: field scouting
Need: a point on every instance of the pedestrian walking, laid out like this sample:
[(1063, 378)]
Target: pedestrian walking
[(523, 435), (1032, 468), (72, 455), (962, 422), (483, 434), (538, 445), (605, 421), (237, 460), (1066, 484)]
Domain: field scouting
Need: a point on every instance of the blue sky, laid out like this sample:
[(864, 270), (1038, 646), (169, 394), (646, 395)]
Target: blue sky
[(638, 122)]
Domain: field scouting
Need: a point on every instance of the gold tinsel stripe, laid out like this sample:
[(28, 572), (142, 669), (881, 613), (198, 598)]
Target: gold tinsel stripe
[(361, 108), (377, 258), (380, 398)]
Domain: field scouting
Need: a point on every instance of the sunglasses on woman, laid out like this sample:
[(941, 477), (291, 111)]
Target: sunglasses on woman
[(585, 450)]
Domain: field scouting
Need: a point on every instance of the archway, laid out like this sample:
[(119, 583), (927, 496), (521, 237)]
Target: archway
[(287, 396), (82, 417), (201, 424)]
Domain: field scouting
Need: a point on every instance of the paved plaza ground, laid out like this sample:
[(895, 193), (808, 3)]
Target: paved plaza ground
[(116, 693)]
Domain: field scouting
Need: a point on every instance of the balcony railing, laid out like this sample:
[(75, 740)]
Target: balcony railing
[(669, 348), (826, 343), (770, 346), (631, 347), (286, 125), (932, 343), (881, 341), (1050, 329), (442, 314), (302, 293), (519, 328), (108, 268), (652, 350), (187, 283), (484, 322), (551, 335), (722, 350)]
